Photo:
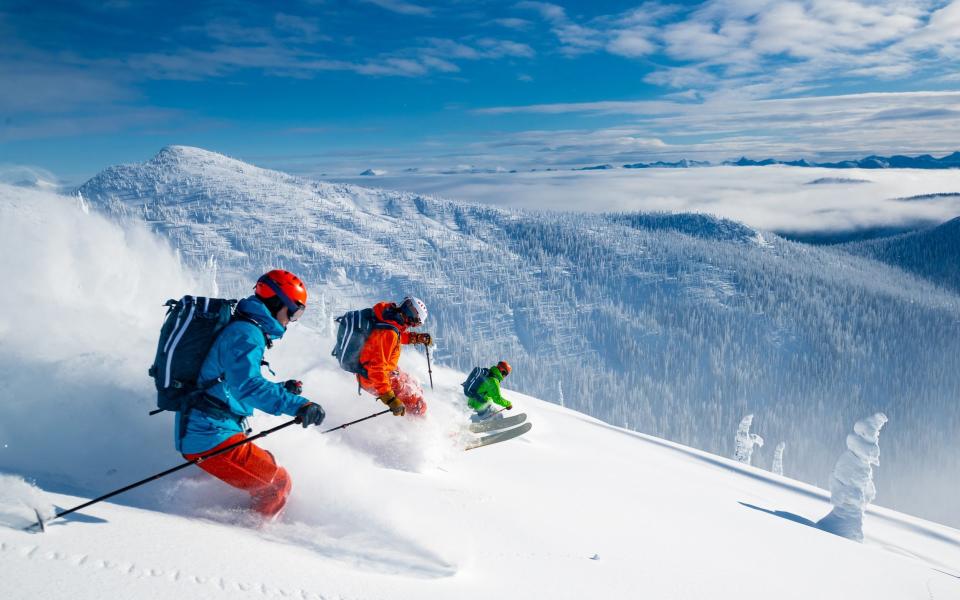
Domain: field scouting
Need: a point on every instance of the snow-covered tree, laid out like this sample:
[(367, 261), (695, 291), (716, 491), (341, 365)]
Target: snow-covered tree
[(851, 486), (746, 441), (778, 458)]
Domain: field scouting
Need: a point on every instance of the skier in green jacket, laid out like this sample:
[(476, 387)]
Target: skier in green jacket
[(488, 392)]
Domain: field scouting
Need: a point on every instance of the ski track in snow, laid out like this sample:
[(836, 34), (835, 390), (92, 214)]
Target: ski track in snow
[(174, 575)]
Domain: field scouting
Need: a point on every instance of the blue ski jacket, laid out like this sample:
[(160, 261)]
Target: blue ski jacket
[(236, 356)]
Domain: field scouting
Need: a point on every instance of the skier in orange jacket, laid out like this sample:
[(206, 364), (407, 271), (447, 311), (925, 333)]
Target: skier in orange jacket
[(381, 354)]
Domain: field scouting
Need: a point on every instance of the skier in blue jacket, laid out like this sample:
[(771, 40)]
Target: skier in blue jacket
[(218, 419)]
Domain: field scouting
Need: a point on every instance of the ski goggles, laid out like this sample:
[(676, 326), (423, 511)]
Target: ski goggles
[(294, 309), (409, 314)]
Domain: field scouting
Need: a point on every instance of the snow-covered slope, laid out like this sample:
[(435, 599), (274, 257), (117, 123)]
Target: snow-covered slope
[(932, 253), (675, 325), (533, 518), (389, 508)]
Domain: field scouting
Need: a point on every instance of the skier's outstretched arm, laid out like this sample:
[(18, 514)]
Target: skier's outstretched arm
[(252, 388)]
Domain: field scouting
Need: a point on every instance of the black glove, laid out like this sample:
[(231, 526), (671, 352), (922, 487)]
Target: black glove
[(309, 414), (293, 386)]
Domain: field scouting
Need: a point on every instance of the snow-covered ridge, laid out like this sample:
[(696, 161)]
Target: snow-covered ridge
[(673, 325), (696, 225), (932, 253)]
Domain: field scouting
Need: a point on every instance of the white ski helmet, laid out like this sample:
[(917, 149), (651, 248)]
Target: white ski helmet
[(414, 310)]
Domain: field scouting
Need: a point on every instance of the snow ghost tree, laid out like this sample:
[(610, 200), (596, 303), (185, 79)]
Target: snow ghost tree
[(778, 458), (851, 486), (746, 441)]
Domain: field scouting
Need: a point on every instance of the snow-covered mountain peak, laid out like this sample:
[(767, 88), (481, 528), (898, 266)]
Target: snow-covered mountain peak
[(193, 159), (182, 163)]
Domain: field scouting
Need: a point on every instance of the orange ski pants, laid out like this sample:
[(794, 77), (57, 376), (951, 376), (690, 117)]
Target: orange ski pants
[(251, 469)]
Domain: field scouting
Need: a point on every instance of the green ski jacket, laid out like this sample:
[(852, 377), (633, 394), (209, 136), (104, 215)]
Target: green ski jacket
[(489, 391)]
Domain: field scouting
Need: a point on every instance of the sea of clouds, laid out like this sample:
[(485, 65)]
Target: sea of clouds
[(775, 198)]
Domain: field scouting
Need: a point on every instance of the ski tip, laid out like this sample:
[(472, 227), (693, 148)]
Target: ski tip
[(498, 436)]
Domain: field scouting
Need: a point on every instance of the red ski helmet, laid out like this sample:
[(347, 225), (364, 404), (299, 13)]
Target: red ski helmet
[(285, 286), (504, 367)]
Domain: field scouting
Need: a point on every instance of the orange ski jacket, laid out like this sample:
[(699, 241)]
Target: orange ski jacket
[(381, 353)]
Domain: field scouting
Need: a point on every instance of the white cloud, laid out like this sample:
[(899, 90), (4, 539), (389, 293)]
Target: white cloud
[(768, 198), (574, 38), (730, 123), (553, 13), (513, 23), (403, 67), (786, 46), (483, 48), (119, 118), (769, 47), (941, 33), (279, 57), (306, 29), (631, 43), (439, 64), (495, 48), (452, 49), (401, 7), (38, 86)]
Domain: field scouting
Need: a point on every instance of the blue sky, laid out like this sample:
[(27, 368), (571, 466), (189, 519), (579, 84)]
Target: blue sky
[(338, 86)]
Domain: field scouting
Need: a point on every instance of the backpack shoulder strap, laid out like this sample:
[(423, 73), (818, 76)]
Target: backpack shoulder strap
[(378, 324), (382, 325)]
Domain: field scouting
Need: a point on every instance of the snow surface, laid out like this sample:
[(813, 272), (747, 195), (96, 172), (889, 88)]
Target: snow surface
[(518, 520), (672, 324), (387, 509)]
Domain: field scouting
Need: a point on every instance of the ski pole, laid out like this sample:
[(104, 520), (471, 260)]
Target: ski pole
[(429, 368), (42, 523), (345, 425)]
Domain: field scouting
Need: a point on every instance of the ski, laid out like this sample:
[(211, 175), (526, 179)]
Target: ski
[(499, 436), (493, 424)]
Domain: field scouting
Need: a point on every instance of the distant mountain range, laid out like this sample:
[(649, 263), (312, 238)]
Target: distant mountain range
[(924, 161), (680, 164)]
